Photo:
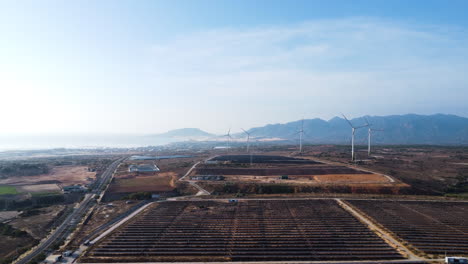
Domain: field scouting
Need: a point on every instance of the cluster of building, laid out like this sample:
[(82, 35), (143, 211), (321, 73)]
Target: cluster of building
[(74, 188), (143, 168), (208, 178)]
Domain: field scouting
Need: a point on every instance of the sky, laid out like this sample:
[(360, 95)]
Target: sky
[(146, 67)]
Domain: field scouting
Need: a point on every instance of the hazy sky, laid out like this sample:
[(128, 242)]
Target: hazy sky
[(151, 66)]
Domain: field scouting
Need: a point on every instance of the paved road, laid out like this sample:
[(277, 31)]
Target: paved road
[(74, 218)]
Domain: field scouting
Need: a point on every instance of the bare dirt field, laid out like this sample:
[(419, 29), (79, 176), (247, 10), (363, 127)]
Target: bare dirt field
[(158, 182), (351, 178), (311, 179), (66, 175), (164, 181), (9, 245), (38, 225), (430, 170), (7, 215)]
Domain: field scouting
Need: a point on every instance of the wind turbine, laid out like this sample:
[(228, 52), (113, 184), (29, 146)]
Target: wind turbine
[(228, 135), (301, 135), (369, 131), (248, 139), (353, 131)]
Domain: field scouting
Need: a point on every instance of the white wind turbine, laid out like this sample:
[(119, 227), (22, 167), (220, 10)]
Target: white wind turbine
[(353, 131), (228, 135), (301, 135), (369, 131), (248, 139)]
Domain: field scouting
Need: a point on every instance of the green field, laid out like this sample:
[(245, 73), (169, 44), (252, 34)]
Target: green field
[(8, 190)]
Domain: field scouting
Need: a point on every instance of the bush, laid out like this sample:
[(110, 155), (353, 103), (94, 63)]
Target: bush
[(138, 196), (8, 230), (38, 259)]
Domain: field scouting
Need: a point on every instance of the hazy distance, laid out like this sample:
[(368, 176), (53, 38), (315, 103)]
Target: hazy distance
[(118, 67)]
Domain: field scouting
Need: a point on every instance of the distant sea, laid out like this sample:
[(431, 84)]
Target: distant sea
[(31, 142)]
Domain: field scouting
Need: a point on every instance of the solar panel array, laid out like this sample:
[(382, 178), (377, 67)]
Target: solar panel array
[(432, 227), (254, 230)]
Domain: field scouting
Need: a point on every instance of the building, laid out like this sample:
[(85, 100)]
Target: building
[(450, 260), (143, 168), (207, 178), (74, 188)]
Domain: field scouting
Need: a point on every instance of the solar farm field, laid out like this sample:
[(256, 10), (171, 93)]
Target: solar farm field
[(260, 174), (265, 165), (250, 230), (434, 228)]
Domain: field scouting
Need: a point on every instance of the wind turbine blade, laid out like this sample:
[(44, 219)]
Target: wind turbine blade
[(367, 121), (361, 126), (245, 131), (349, 122)]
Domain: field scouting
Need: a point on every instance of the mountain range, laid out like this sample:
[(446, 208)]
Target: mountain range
[(397, 129), (185, 133)]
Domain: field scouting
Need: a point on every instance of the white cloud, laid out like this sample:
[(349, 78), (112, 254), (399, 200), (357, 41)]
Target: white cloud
[(320, 67), (242, 77)]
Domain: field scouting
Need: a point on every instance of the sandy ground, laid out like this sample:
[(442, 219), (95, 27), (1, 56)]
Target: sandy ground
[(35, 188), (351, 178), (311, 179), (7, 215), (66, 175)]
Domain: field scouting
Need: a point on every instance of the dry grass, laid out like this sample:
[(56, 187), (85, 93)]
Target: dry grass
[(159, 182), (38, 225), (351, 178), (38, 188), (66, 175)]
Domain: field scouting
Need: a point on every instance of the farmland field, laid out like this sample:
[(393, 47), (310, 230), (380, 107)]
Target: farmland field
[(40, 188), (4, 190), (254, 230)]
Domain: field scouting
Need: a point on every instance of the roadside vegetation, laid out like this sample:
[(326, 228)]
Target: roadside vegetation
[(23, 169), (8, 230), (138, 196)]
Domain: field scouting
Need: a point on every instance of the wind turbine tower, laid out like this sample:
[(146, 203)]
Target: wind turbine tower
[(228, 135), (369, 131), (248, 139), (353, 131), (301, 135)]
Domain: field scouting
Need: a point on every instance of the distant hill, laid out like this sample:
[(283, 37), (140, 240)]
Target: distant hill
[(185, 133), (398, 129)]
